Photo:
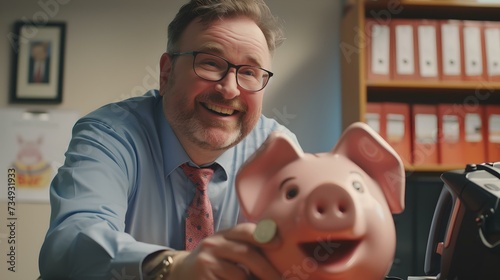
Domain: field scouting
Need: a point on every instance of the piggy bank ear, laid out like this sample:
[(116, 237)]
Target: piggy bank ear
[(362, 145), (277, 151)]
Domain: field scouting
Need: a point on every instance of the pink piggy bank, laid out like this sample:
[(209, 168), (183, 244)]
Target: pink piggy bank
[(332, 210)]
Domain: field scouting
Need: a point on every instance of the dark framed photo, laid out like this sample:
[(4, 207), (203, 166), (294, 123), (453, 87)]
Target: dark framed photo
[(38, 52)]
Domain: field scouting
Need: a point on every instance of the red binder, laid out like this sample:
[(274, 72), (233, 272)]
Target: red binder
[(425, 133), (428, 49), (492, 124), (404, 51), (451, 134), (378, 62), (451, 53), (474, 142), (474, 67), (491, 33), (398, 129), (392, 121), (373, 117)]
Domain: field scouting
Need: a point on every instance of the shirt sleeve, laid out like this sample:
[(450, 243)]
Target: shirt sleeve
[(89, 197)]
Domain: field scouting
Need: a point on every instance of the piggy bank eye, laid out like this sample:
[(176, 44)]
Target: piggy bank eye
[(357, 186), (292, 192)]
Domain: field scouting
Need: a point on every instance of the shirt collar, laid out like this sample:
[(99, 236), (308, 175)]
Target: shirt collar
[(173, 153)]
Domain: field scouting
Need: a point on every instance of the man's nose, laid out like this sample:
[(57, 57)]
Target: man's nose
[(228, 86)]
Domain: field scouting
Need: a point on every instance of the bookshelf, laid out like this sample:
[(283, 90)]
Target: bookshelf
[(357, 90)]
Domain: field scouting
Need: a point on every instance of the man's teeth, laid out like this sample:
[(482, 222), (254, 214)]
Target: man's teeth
[(220, 110)]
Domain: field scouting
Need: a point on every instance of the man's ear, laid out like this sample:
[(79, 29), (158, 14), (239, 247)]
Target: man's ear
[(165, 68)]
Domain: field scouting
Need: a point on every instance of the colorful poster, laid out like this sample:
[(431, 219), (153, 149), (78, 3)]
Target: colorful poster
[(32, 146)]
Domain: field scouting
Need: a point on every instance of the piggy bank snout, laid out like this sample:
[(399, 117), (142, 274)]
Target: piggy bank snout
[(330, 207)]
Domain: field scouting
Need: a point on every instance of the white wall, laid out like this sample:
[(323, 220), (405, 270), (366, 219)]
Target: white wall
[(112, 52)]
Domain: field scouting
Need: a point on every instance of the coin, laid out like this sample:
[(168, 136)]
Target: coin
[(265, 231)]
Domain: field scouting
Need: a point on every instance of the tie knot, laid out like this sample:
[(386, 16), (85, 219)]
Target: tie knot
[(199, 176)]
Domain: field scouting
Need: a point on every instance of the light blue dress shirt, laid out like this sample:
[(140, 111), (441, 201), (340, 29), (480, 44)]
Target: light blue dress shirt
[(121, 195)]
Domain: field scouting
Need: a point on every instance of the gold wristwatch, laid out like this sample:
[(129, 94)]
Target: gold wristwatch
[(162, 269)]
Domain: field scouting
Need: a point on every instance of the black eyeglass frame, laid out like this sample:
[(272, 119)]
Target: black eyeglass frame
[(230, 65)]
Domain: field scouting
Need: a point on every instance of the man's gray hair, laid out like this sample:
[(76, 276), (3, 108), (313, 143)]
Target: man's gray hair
[(210, 10)]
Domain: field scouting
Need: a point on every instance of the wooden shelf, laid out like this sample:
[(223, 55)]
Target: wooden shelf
[(447, 4), (445, 9), (432, 168), (437, 85), (471, 93)]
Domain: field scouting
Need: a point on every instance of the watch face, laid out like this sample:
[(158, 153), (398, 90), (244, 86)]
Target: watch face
[(169, 260), (161, 270)]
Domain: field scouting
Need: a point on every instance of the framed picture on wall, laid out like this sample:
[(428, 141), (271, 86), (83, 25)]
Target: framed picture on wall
[(37, 72)]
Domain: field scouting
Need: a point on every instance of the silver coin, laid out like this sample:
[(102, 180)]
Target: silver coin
[(265, 231)]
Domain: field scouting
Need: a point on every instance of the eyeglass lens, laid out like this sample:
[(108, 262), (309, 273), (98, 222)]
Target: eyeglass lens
[(214, 68)]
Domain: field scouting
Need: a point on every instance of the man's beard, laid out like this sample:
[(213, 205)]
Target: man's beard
[(196, 132)]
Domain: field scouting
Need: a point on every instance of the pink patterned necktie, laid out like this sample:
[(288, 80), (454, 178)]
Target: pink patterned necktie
[(199, 216)]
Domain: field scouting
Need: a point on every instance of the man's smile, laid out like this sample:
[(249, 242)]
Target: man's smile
[(221, 111)]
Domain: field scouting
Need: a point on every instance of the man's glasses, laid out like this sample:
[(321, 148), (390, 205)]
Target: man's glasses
[(214, 68)]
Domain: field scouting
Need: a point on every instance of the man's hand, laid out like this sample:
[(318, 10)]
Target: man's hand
[(231, 254)]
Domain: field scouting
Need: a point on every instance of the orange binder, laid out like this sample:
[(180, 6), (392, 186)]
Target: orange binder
[(491, 33), (492, 124), (451, 134), (474, 143), (392, 122), (396, 117), (378, 65), (425, 130), (404, 54), (451, 52), (373, 117), (474, 67), (428, 46)]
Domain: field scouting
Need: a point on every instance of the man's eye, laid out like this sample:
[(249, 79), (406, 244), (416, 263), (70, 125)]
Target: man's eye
[(248, 72), (210, 64)]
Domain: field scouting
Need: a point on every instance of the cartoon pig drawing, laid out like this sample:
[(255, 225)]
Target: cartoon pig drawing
[(332, 210), (32, 169)]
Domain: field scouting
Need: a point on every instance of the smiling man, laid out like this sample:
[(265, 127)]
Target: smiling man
[(211, 103), (122, 202)]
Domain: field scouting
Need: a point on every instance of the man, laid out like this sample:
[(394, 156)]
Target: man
[(119, 202), (39, 63)]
